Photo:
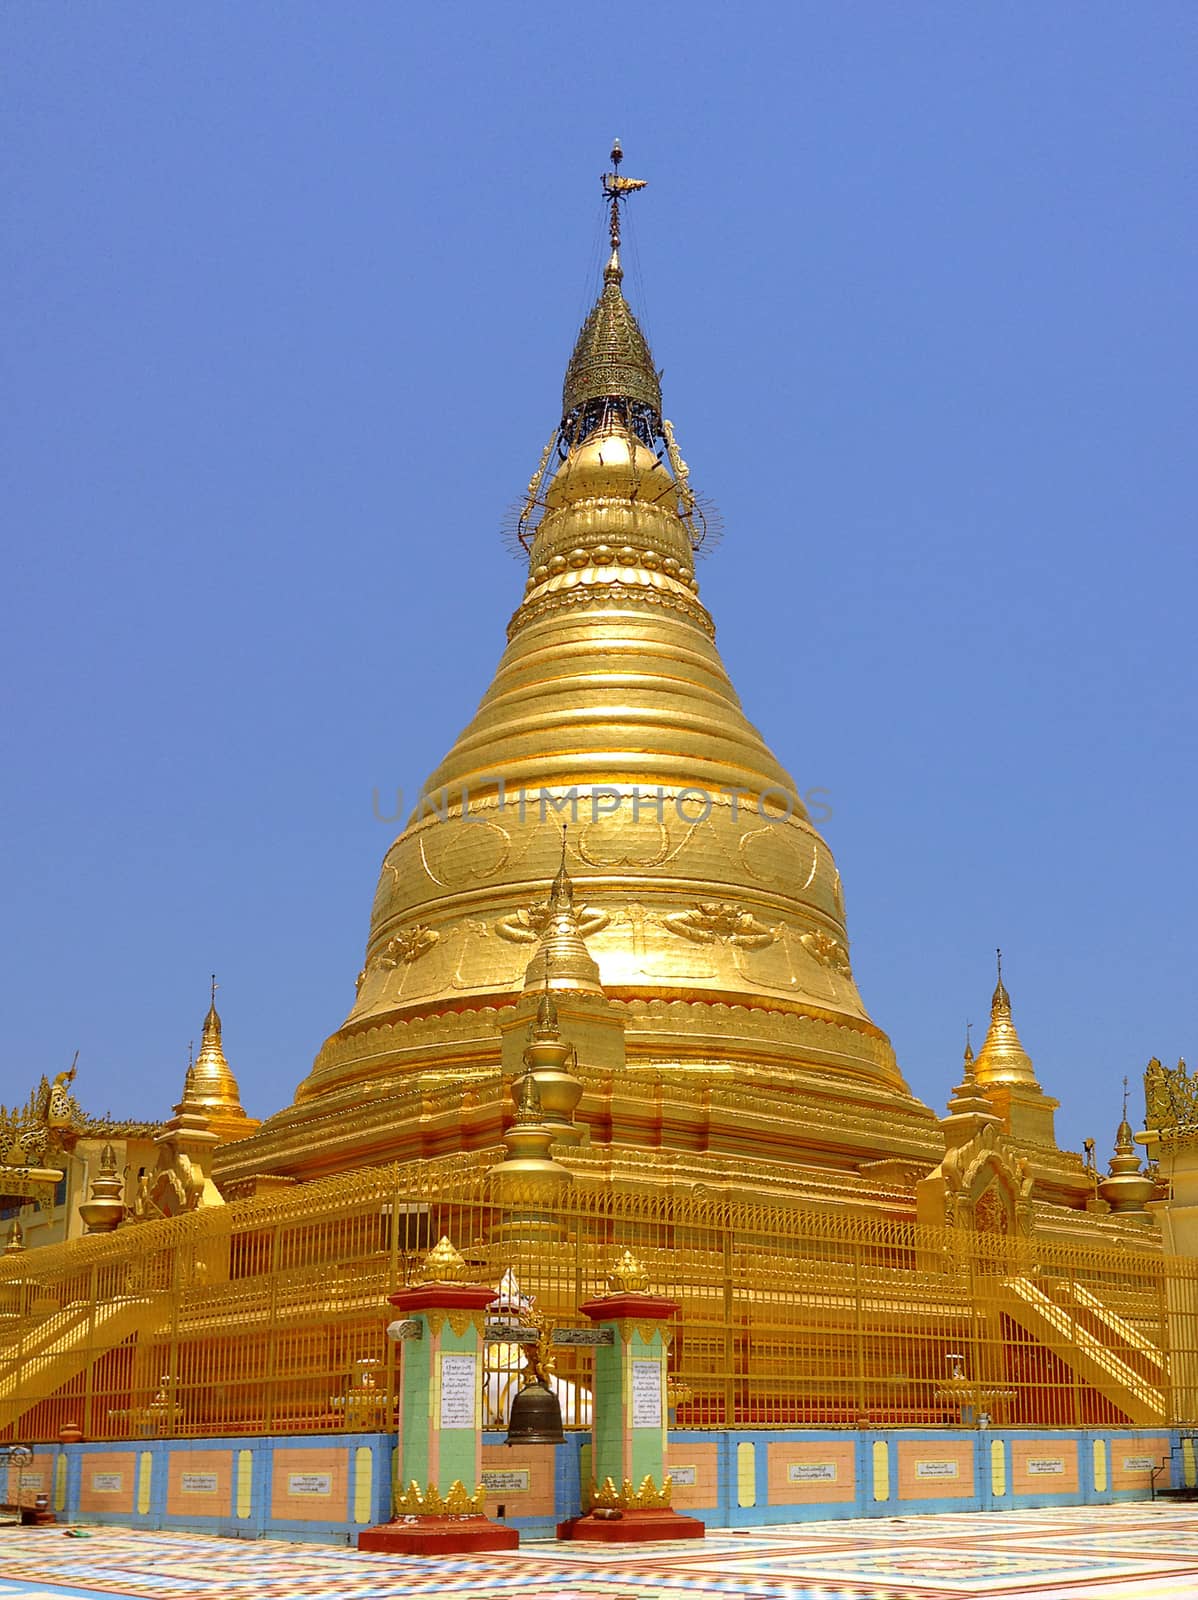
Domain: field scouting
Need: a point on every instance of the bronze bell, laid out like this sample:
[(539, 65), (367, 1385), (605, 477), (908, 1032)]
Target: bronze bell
[(536, 1417)]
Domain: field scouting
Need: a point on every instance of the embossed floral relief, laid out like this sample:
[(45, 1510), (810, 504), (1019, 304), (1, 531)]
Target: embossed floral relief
[(829, 952), (527, 925), (720, 922), (408, 945)]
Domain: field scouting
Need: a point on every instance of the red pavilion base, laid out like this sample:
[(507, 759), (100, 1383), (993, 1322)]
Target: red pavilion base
[(438, 1536), (633, 1527)]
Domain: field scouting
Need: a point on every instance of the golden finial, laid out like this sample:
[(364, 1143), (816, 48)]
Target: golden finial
[(443, 1264), (545, 1024), (562, 890), (529, 1109), (628, 1276), (15, 1242), (1125, 1097), (1001, 997), (969, 1049), (616, 188)]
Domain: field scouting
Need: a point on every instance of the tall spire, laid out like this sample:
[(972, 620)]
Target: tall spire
[(1002, 1058), (611, 376), (210, 1086)]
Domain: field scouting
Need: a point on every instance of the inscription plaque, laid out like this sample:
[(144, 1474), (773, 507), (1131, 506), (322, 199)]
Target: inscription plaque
[(646, 1394), (457, 1390), (513, 1480), (317, 1483)]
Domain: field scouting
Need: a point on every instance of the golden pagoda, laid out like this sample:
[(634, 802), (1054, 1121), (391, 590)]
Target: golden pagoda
[(694, 932), (607, 1014), (709, 909)]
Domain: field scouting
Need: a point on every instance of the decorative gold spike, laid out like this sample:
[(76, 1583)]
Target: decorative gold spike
[(628, 1276), (443, 1264), (607, 1495), (457, 1501)]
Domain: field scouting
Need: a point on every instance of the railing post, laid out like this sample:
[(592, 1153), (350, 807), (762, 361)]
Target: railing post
[(859, 1334), (89, 1431)]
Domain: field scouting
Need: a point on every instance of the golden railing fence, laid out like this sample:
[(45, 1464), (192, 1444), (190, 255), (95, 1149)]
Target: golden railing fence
[(268, 1315)]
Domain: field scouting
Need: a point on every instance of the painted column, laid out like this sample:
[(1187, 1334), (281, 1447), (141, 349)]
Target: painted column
[(439, 1495), (629, 1499)]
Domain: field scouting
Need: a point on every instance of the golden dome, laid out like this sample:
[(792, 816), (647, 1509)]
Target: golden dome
[(611, 463), (1002, 1058)]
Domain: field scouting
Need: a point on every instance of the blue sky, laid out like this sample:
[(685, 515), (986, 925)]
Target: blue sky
[(287, 295)]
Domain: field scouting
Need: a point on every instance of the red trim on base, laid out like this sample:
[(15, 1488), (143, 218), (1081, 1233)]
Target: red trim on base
[(634, 1527), (611, 1307), (438, 1536), (443, 1297)]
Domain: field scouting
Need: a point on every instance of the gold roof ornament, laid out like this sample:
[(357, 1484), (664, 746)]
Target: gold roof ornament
[(527, 1164), (562, 960), (1170, 1099), (443, 1264), (1002, 1058), (209, 1087), (551, 1062), (14, 1243), (967, 1099), (611, 358), (628, 1276), (105, 1209), (1126, 1188), (61, 1108)]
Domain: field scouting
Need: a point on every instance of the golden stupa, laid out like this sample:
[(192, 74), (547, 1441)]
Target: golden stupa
[(607, 1006), (703, 971)]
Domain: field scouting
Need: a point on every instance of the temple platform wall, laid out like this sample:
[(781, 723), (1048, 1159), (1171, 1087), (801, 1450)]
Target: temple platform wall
[(327, 1489)]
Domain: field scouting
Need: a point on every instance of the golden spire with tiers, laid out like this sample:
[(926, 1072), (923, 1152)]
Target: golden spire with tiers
[(1002, 1058), (713, 907), (209, 1088), (562, 960), (1127, 1187)]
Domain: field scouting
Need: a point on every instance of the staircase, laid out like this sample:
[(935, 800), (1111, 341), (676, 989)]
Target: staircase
[(63, 1344), (1104, 1349)]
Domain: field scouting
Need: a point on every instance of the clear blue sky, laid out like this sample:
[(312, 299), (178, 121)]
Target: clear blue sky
[(288, 290)]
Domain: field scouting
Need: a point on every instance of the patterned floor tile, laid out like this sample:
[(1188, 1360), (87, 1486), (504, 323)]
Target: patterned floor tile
[(1140, 1552)]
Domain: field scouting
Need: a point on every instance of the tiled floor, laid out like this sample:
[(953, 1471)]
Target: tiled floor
[(1124, 1552)]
